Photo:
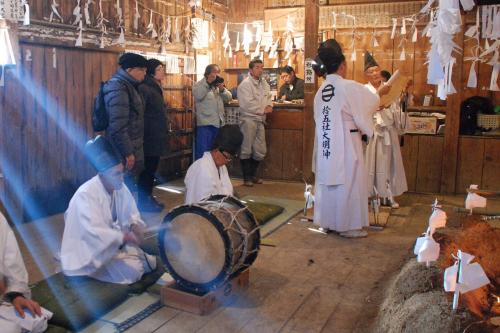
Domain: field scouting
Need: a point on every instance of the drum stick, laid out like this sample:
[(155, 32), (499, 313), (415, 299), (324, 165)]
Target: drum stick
[(485, 193), (267, 242), (477, 211)]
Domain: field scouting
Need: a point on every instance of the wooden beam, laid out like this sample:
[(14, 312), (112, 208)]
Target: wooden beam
[(451, 133), (310, 50)]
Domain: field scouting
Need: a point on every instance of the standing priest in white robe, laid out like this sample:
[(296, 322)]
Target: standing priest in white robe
[(14, 288), (343, 110), (103, 228), (383, 158), (208, 175)]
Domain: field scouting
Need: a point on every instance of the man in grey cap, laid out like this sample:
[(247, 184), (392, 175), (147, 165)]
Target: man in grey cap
[(125, 108), (103, 228)]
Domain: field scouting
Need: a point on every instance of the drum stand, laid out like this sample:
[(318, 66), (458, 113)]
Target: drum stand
[(204, 304)]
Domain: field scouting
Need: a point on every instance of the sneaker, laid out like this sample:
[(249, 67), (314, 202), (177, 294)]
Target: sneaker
[(257, 180), (325, 230), (248, 183), (354, 234), (394, 205)]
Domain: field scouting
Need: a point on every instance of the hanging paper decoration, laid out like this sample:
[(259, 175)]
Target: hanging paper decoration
[(55, 12), (151, 27), (334, 21), (172, 64), (225, 38), (168, 30), (374, 39), (86, 11), (463, 276), (402, 56), (288, 48), (269, 40), (237, 48), (403, 26), (394, 25), (26, 18), (256, 53), (274, 50), (119, 18), (188, 35), (137, 16), (101, 24), (247, 39), (177, 31), (77, 12), (442, 28), (6, 51), (438, 218)]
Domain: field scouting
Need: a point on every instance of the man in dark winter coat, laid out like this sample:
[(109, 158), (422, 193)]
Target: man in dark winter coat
[(125, 108), (155, 133)]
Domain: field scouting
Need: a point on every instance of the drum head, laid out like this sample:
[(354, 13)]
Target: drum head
[(193, 247)]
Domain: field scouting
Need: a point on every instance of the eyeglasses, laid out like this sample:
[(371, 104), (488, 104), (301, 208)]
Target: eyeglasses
[(227, 156)]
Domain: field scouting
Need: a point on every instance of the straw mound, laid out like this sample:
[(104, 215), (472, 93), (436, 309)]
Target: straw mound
[(416, 302), (481, 240)]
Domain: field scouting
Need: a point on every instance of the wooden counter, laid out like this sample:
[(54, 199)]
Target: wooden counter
[(284, 138)]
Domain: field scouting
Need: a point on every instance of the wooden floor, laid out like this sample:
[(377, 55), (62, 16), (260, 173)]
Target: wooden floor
[(308, 282)]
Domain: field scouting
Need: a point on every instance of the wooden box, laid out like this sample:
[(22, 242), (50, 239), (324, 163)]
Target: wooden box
[(173, 296), (421, 125)]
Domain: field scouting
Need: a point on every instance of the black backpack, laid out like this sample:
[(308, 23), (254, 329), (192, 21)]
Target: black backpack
[(100, 117)]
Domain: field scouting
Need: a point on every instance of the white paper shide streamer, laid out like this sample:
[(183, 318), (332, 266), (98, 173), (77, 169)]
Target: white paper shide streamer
[(151, 27), (463, 276)]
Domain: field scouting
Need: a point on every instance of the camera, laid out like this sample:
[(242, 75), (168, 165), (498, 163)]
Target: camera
[(218, 80)]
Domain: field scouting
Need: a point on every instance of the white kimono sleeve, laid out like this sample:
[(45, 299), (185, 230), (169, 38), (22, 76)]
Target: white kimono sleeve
[(198, 184), (11, 262), (89, 242), (362, 103)]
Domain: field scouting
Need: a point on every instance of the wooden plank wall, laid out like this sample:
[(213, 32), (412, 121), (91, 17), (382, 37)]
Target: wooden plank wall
[(47, 100)]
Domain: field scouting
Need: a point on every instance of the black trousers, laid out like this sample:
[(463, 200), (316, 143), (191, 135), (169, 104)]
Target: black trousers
[(147, 176)]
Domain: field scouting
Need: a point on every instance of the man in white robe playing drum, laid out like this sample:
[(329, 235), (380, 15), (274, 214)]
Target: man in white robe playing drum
[(343, 110), (14, 290), (103, 228), (383, 158), (208, 175)]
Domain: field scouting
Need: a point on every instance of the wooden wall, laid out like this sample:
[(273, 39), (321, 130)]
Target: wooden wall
[(47, 100)]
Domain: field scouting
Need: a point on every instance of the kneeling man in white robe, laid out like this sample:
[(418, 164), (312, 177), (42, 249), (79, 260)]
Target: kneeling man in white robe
[(103, 228), (343, 109), (17, 312), (208, 175)]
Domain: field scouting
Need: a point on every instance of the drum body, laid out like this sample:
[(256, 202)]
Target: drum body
[(205, 244)]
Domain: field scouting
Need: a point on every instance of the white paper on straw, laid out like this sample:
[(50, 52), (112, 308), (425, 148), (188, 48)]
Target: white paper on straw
[(429, 251), (437, 219), (471, 276), (474, 200)]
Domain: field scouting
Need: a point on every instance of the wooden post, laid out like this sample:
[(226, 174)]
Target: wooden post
[(451, 133), (310, 50)]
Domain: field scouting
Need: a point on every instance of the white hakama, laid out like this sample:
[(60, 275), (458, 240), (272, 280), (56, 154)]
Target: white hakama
[(343, 110)]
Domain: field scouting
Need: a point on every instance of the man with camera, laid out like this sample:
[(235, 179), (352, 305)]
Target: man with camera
[(210, 94)]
